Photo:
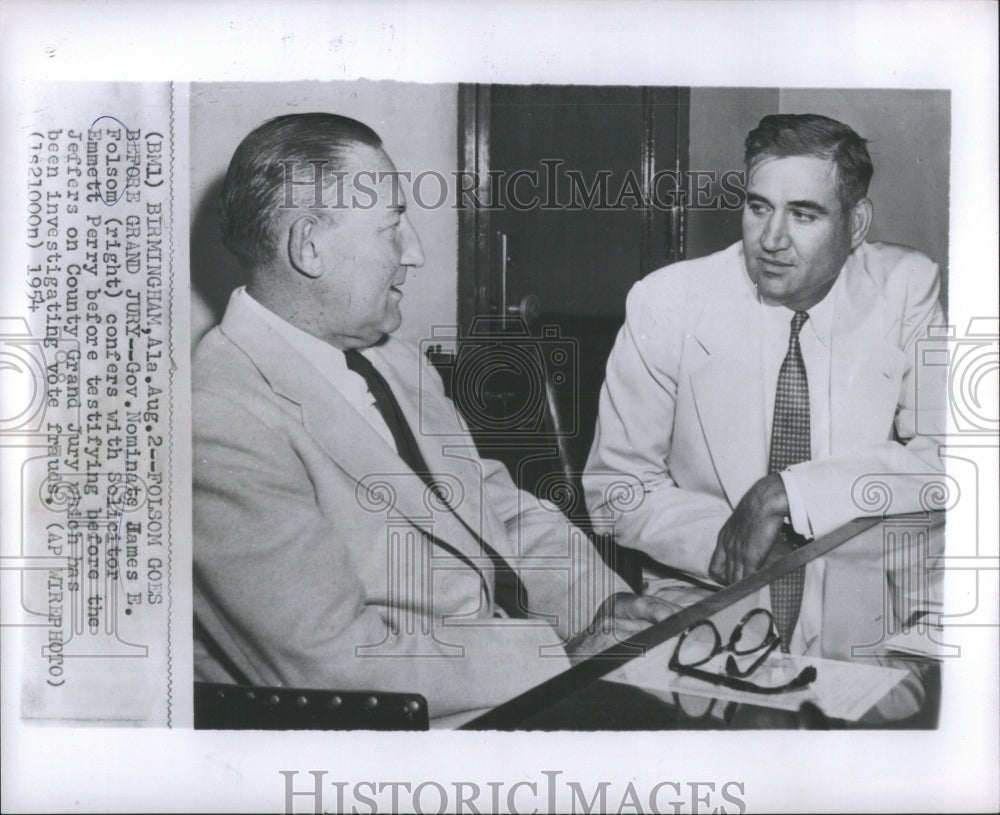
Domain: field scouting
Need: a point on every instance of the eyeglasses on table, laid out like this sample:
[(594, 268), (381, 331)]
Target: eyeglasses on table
[(756, 634)]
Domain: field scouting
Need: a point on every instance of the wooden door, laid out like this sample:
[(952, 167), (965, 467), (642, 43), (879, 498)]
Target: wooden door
[(572, 197)]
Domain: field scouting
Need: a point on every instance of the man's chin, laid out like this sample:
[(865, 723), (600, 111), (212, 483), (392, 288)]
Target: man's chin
[(769, 288), (392, 322)]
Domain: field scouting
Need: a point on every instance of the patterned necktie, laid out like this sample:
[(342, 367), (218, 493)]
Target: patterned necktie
[(790, 444), (509, 593)]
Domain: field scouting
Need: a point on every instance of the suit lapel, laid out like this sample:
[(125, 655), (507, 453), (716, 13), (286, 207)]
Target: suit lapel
[(433, 424), (727, 386), (342, 432), (866, 368)]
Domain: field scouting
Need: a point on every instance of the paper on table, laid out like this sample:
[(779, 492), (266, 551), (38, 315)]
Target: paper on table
[(920, 641), (842, 690)]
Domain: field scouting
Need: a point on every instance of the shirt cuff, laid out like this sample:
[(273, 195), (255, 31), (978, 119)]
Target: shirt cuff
[(797, 514)]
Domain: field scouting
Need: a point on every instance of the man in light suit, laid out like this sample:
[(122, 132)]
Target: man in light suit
[(689, 403), (321, 558)]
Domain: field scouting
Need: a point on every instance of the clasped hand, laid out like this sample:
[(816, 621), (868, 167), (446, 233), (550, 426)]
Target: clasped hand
[(752, 533), (618, 618), (751, 536)]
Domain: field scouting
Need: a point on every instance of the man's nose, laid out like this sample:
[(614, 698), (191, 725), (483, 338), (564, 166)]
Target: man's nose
[(413, 254), (774, 238)]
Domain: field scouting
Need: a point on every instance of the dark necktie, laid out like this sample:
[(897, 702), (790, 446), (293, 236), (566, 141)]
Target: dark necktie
[(509, 593), (790, 444)]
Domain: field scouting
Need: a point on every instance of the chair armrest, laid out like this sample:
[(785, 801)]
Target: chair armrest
[(219, 706)]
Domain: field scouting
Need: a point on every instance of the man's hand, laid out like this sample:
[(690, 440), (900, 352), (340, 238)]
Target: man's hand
[(751, 531), (618, 618)]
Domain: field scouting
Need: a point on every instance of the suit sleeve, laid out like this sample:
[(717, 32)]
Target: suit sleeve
[(905, 472), (566, 578), (628, 484), (276, 588), (562, 570)]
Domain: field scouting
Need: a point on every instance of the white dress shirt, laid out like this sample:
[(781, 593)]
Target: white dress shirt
[(328, 362)]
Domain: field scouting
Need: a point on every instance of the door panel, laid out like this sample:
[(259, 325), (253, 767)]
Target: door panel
[(575, 200), (578, 259)]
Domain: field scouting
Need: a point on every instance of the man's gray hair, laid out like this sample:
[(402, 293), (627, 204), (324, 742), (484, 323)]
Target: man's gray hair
[(255, 184)]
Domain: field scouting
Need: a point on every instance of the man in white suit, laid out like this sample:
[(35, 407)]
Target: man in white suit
[(321, 558), (713, 351)]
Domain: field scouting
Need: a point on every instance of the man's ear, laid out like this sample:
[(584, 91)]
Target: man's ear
[(861, 221), (302, 250)]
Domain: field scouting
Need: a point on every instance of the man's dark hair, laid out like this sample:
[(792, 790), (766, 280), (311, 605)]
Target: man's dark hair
[(809, 134), (255, 184)]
